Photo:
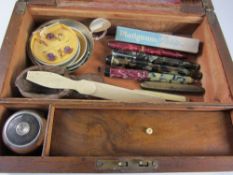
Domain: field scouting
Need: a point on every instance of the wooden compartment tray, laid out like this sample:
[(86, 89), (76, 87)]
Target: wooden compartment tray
[(123, 133), (110, 136)]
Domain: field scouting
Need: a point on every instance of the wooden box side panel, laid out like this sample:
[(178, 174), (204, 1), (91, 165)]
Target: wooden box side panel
[(88, 164), (214, 77), (222, 48), (13, 52)]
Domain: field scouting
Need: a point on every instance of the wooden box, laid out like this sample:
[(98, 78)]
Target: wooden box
[(107, 136)]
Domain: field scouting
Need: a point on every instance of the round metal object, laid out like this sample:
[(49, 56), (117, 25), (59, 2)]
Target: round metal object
[(41, 61), (149, 131), (79, 27), (86, 43), (83, 48), (22, 128), (23, 132)]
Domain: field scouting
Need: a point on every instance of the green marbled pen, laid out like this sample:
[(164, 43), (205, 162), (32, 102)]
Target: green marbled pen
[(139, 56), (142, 75), (115, 61)]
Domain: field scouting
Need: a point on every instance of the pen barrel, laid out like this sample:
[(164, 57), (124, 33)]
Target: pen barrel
[(169, 78), (135, 64), (145, 49), (139, 56), (141, 75), (169, 87)]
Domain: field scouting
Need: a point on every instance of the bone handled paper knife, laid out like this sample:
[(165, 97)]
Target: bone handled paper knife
[(87, 87)]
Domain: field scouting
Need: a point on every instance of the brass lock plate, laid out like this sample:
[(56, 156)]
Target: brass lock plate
[(125, 165)]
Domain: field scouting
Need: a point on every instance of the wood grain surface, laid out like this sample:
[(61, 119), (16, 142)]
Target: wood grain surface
[(122, 133), (172, 24), (187, 136), (88, 164)]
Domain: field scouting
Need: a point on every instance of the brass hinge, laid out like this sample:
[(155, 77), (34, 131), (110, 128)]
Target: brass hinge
[(207, 4), (42, 2), (21, 6)]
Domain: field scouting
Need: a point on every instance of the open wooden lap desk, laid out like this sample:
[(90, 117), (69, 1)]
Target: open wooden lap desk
[(108, 136)]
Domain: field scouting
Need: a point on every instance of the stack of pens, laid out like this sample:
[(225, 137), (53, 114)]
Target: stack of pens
[(155, 68)]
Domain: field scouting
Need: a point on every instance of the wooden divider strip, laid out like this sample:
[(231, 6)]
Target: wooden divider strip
[(48, 11), (107, 104), (231, 114), (48, 131)]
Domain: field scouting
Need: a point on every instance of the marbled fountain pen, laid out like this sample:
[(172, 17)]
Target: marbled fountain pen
[(118, 61), (145, 49), (142, 75), (139, 56)]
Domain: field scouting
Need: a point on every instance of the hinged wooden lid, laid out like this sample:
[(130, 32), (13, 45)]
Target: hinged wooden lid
[(195, 7)]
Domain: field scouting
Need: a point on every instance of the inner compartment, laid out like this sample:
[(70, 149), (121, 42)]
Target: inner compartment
[(214, 80), (5, 113), (124, 133)]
